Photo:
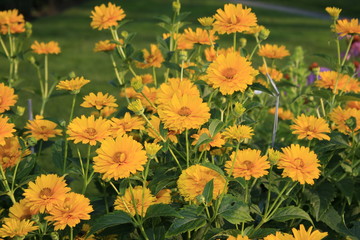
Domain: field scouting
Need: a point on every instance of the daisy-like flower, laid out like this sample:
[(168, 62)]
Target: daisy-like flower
[(107, 111), (51, 47), (11, 152), (74, 84), (310, 127), (353, 104), (150, 94), (69, 212), (238, 237), (247, 163), (333, 11), (340, 117), (99, 101), (163, 196), (104, 17), (42, 129), (299, 163), (206, 21), (119, 158), (154, 58), (282, 113), (135, 201), (344, 27), (234, 18), (45, 192), (211, 54), (255, 30), (273, 51), (184, 112), (337, 82), (104, 46), (12, 21), (231, 73), (6, 129), (181, 42), (7, 97), (192, 181), (278, 236), (303, 234), (238, 133), (13, 227), (20, 210), (175, 86), (155, 128), (127, 124), (216, 141), (274, 74), (200, 36), (88, 130)]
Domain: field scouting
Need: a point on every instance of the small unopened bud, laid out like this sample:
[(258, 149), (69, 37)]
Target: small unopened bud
[(176, 6), (200, 199), (239, 109), (136, 83), (28, 29), (31, 141), (183, 55), (54, 236), (242, 42), (264, 34), (32, 60), (274, 156), (298, 54), (124, 34), (72, 74), (333, 12), (316, 71), (206, 22), (20, 110), (136, 106), (152, 149)]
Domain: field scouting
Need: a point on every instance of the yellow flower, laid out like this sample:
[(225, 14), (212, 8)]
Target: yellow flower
[(310, 127), (45, 192), (74, 84), (105, 17), (51, 47), (234, 18), (211, 54), (340, 116), (303, 234), (181, 42), (42, 129), (300, 164), (135, 201), (147, 78), (11, 152), (333, 11), (155, 123), (175, 86), (154, 58), (152, 149), (107, 111), (119, 158), (206, 21), (20, 210), (6, 129), (69, 212), (345, 26), (255, 30), (150, 94), (7, 97), (104, 46), (337, 82), (353, 104), (136, 106), (279, 236), (274, 74), (13, 227), (192, 181), (231, 73), (238, 237), (273, 51), (216, 141), (163, 196), (238, 133), (200, 36), (184, 112), (88, 130), (247, 163), (282, 113), (12, 21), (126, 124), (99, 101)]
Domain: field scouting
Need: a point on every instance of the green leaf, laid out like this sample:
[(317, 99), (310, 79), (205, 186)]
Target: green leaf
[(213, 167), (347, 188), (215, 126), (208, 191), (289, 213), (333, 219), (262, 232), (109, 220), (161, 210), (193, 219), (258, 86), (203, 139), (234, 210)]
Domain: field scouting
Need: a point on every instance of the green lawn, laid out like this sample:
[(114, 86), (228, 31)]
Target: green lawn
[(72, 30)]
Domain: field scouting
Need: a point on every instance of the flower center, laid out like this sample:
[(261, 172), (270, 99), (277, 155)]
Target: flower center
[(43, 128), (299, 163), (99, 102), (184, 111), (249, 165), (119, 157), (229, 73), (91, 131), (45, 193)]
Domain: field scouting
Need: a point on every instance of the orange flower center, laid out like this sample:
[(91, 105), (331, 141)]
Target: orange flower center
[(299, 163), (99, 102), (45, 193), (91, 131), (119, 157), (184, 111), (229, 73), (43, 128), (248, 164)]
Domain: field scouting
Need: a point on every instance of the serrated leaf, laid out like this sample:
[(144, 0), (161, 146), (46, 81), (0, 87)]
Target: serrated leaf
[(161, 210), (289, 213), (333, 219), (234, 210), (193, 218), (208, 191), (215, 126), (109, 220)]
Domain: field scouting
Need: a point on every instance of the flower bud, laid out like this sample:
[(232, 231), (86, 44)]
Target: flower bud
[(242, 42), (239, 109), (206, 22), (274, 156), (20, 110), (176, 6), (183, 55), (152, 149), (54, 236), (136, 106), (136, 83), (28, 29), (124, 34), (264, 34)]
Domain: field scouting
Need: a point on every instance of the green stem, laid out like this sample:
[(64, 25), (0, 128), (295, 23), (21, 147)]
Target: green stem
[(85, 177), (182, 71), (154, 76), (253, 52), (187, 148), (347, 51), (65, 138), (4, 47), (234, 43), (40, 148), (116, 70), (9, 192), (14, 177), (71, 233)]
